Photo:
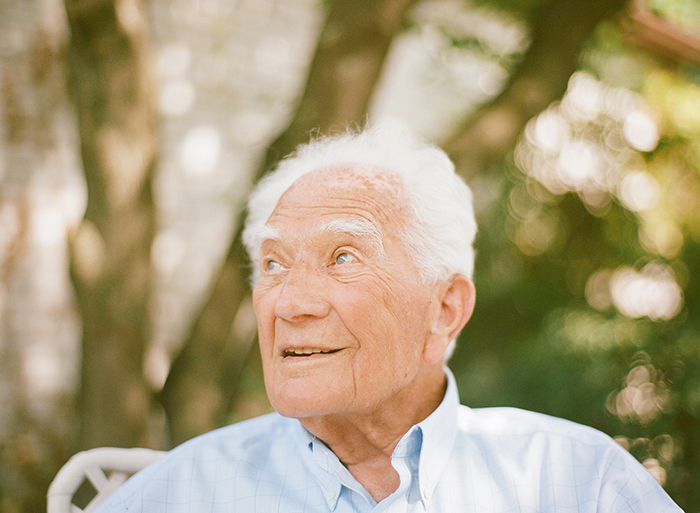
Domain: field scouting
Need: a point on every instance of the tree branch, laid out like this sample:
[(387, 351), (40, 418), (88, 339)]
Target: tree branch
[(558, 35)]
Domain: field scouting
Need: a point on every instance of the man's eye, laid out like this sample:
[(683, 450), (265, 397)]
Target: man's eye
[(344, 258), (272, 265)]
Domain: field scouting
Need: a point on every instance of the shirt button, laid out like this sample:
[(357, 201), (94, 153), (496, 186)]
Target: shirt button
[(331, 495)]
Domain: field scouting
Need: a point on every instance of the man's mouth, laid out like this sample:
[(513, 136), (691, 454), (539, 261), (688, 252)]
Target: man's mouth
[(306, 351)]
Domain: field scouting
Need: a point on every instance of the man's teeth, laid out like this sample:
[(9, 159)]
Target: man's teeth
[(303, 351)]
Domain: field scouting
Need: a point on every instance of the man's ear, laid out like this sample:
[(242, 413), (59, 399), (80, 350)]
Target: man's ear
[(456, 301)]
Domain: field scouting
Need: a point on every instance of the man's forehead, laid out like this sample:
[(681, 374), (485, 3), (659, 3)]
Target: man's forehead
[(370, 179), (363, 202)]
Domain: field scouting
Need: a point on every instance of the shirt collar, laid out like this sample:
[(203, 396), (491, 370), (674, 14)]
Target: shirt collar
[(433, 438), (322, 463), (439, 432)]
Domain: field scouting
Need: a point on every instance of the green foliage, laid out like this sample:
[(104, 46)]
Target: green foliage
[(683, 13), (541, 337)]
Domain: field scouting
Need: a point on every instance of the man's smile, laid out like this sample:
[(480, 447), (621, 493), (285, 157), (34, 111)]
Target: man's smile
[(306, 351)]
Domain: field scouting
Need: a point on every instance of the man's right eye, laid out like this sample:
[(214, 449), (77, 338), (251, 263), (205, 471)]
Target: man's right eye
[(272, 266)]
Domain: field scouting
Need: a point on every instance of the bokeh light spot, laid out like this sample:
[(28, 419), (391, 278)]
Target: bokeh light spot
[(641, 131), (651, 293), (174, 61), (176, 97), (167, 251), (639, 191), (200, 150)]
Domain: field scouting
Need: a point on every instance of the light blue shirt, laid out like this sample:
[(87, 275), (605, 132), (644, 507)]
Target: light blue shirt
[(457, 460)]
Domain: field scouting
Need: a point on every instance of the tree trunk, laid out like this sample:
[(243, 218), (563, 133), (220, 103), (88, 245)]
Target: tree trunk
[(350, 54), (110, 254), (349, 58), (559, 33)]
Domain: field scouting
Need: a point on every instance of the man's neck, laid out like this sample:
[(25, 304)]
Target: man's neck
[(365, 443)]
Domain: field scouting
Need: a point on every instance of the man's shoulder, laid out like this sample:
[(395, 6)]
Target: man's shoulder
[(538, 442), (234, 452), (553, 461), (514, 422), (245, 440)]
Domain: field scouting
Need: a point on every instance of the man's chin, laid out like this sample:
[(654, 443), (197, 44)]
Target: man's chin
[(302, 406), (299, 413)]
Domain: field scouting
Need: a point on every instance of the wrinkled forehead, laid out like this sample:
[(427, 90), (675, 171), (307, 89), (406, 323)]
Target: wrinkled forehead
[(359, 200), (373, 181), (362, 190)]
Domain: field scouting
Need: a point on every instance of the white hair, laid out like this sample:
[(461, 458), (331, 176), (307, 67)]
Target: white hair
[(440, 233)]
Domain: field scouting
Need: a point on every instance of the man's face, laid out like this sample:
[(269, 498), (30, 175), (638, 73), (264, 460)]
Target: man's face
[(342, 314)]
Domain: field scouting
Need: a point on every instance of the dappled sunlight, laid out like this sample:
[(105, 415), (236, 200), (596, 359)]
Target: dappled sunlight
[(662, 236), (565, 298), (455, 57), (535, 233), (586, 331), (644, 396), (584, 144), (585, 99), (72, 201), (47, 226), (657, 455), (177, 92), (43, 372), (597, 290), (656, 470), (501, 34), (176, 97), (168, 251), (640, 131), (639, 191), (550, 131), (199, 153), (532, 227), (272, 54), (652, 292), (174, 60), (680, 101), (251, 126)]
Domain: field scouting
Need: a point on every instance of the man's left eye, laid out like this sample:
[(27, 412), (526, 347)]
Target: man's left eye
[(344, 258)]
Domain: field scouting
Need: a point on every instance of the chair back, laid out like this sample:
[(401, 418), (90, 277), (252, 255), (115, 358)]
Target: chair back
[(105, 468)]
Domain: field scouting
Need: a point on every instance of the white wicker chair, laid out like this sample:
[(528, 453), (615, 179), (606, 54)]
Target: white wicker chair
[(106, 468)]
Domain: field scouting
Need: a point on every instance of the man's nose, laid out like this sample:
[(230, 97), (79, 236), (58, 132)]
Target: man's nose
[(302, 296)]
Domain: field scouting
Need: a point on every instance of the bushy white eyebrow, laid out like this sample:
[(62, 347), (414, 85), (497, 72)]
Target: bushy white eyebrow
[(354, 228), (267, 233), (351, 227)]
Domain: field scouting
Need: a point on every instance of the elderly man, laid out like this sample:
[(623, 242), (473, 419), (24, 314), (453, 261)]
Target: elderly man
[(362, 259)]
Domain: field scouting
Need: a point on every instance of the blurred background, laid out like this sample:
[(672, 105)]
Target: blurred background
[(131, 132)]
